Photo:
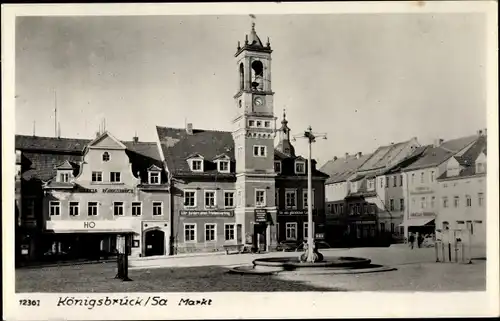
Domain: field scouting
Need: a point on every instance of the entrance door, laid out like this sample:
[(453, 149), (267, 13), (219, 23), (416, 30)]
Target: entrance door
[(260, 240), (155, 242)]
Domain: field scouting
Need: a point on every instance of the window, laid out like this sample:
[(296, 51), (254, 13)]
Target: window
[(422, 177), (392, 228), (157, 208), (400, 180), (305, 199), (197, 165), (413, 178), (341, 208), (382, 227), (402, 204), (259, 123), (300, 168), (260, 197), (54, 208), (267, 124), (251, 123), (468, 200), (387, 182), (305, 230), (291, 199), (154, 178), (480, 199), (291, 231), (277, 197), (189, 198), (422, 202), (381, 182), (210, 232), (371, 184), (115, 177), (64, 177), (189, 232), (229, 232), (136, 208), (433, 201), (96, 176), (259, 151), (224, 166), (74, 208), (209, 199), (228, 199), (445, 202), (105, 157), (391, 204), (277, 166), (30, 208), (118, 208), (456, 201), (432, 176), (92, 208), (395, 181), (446, 225)]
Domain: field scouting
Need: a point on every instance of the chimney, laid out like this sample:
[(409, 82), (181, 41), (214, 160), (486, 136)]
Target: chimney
[(97, 134), (358, 155), (438, 142), (135, 139), (334, 158), (189, 128), (346, 155), (481, 132)]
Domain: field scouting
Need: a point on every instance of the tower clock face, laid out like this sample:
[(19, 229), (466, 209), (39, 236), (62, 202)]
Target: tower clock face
[(258, 101)]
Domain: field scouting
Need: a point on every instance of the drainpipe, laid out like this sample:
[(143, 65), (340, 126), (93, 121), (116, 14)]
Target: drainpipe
[(407, 208)]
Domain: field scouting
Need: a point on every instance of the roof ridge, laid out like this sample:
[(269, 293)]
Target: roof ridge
[(194, 129)]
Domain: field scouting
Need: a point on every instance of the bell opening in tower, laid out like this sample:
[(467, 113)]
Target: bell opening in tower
[(257, 72), (242, 76)]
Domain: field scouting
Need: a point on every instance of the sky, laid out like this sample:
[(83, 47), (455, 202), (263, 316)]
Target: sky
[(363, 79)]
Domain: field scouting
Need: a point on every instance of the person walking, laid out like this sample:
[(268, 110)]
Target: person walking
[(420, 240), (412, 240)]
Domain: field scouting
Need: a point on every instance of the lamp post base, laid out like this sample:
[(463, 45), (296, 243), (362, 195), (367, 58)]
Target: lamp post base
[(314, 257)]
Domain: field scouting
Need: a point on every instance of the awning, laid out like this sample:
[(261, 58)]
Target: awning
[(417, 222)]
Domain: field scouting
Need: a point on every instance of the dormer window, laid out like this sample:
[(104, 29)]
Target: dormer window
[(105, 157), (480, 168), (300, 167), (277, 166), (196, 162), (64, 177), (224, 166), (154, 178), (64, 172)]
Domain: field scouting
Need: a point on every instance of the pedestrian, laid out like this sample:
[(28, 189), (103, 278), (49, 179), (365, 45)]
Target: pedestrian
[(412, 240), (420, 240)]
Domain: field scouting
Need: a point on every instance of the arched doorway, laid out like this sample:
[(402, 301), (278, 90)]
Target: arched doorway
[(154, 242)]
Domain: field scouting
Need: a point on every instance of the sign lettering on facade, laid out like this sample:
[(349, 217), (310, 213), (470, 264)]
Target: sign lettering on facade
[(88, 224), (260, 216), (422, 214), (292, 212), (106, 190), (206, 213)]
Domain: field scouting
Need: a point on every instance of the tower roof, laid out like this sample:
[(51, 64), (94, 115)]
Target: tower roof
[(284, 144), (253, 43)]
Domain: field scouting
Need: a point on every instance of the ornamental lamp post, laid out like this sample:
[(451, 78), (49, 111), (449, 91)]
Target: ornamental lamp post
[(311, 254)]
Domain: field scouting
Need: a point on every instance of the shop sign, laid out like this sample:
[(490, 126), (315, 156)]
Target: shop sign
[(206, 213), (292, 212), (422, 189), (260, 216), (422, 214), (62, 226), (106, 190)]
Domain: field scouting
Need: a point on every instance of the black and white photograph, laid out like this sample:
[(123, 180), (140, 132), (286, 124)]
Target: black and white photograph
[(223, 155)]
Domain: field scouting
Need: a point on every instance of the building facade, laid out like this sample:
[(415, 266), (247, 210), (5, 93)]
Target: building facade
[(421, 183), (88, 192), (461, 198)]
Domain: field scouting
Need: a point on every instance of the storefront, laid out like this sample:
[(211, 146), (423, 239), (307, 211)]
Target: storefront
[(422, 223)]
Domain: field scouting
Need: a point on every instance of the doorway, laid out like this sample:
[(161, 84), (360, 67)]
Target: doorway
[(260, 239), (154, 242)]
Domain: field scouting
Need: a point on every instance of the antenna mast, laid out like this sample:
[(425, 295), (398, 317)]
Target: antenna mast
[(55, 112)]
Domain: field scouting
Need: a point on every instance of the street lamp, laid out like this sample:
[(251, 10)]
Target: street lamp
[(311, 254)]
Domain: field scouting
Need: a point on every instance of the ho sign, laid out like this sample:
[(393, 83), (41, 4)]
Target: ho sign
[(88, 225)]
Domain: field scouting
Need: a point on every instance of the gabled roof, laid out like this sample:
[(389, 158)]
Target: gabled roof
[(467, 160), (221, 156), (65, 165), (340, 169), (407, 161), (102, 136), (154, 168), (195, 155), (434, 156), (27, 142), (383, 156)]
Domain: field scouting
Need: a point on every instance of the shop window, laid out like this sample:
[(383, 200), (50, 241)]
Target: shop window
[(260, 197), (291, 231), (115, 177), (118, 208), (228, 199), (189, 198), (157, 208), (210, 232), (55, 208), (92, 208), (74, 208), (96, 176), (136, 208), (209, 199), (291, 199), (229, 232), (189, 232)]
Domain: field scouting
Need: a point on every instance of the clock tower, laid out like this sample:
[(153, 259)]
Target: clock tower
[(253, 133)]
